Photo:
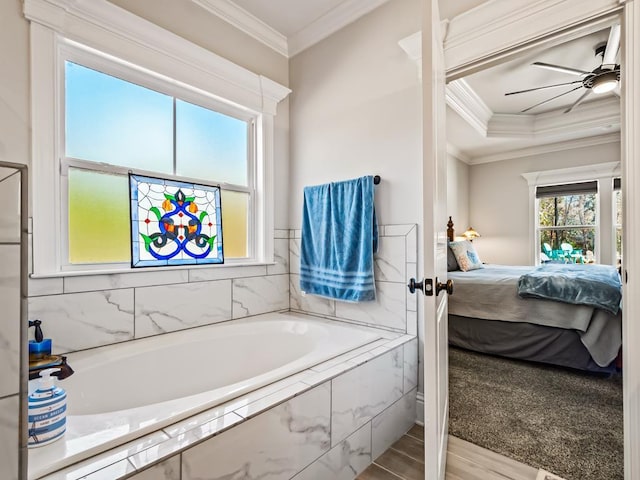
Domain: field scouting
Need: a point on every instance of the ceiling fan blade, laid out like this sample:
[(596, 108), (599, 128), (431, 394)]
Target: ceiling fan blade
[(579, 100), (613, 44), (549, 99), (546, 86), (560, 68)]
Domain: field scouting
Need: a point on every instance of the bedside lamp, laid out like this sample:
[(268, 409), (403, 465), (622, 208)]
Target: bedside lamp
[(470, 234)]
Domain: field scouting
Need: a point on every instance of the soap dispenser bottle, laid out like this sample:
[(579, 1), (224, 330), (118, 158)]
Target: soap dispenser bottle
[(47, 411)]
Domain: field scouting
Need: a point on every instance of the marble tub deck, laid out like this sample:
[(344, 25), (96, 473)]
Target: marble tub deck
[(135, 456)]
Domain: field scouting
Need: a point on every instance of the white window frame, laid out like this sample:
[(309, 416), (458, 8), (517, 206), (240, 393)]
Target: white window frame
[(615, 225), (539, 229), (603, 173), (101, 35)]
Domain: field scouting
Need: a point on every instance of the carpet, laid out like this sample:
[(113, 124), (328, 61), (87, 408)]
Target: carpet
[(563, 421)]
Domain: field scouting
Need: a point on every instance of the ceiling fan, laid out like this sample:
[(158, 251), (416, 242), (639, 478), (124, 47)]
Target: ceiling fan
[(602, 79)]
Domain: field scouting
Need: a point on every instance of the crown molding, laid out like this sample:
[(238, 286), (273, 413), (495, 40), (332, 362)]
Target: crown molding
[(341, 16), (412, 46), (604, 113), (511, 125), (246, 22), (455, 152), (573, 174), (460, 97), (548, 148), (468, 104), (458, 94), (498, 26)]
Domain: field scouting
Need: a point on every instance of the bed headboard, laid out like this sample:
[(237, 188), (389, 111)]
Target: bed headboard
[(450, 232)]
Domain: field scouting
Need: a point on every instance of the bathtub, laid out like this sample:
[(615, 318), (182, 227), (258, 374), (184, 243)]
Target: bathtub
[(124, 391)]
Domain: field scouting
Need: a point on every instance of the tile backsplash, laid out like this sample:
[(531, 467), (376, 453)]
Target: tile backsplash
[(395, 263), (80, 312)]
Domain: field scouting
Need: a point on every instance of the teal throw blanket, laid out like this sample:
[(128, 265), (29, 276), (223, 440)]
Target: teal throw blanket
[(597, 286)]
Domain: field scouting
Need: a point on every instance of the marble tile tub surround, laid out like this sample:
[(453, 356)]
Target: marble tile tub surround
[(10, 323), (395, 264), (284, 430), (80, 312)]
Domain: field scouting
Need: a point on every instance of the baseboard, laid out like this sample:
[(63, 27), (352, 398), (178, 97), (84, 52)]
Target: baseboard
[(420, 408)]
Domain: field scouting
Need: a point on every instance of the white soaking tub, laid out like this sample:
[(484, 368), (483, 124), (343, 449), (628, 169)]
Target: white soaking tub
[(123, 391)]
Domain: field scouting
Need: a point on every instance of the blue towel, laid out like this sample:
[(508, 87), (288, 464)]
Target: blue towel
[(339, 238)]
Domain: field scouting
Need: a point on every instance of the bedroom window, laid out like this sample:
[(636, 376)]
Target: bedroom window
[(567, 222), (617, 220)]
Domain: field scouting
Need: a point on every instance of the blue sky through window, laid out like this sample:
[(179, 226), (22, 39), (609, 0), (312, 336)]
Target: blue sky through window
[(117, 122), (210, 145), (120, 123)]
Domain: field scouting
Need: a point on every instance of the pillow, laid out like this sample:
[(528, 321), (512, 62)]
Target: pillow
[(452, 263), (466, 255)]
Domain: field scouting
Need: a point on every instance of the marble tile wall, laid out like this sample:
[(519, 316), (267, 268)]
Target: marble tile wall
[(364, 392), (10, 322), (295, 439), (276, 444), (395, 264), (334, 430), (80, 312)]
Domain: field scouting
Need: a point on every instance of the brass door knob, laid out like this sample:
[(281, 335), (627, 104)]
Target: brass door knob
[(444, 286)]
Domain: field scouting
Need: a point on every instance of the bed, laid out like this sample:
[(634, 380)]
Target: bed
[(487, 315)]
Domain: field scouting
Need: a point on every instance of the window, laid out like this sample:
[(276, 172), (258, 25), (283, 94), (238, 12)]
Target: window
[(112, 126), (617, 220), (146, 100), (567, 221), (573, 206)]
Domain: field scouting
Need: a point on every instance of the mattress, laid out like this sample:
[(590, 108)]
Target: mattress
[(490, 293)]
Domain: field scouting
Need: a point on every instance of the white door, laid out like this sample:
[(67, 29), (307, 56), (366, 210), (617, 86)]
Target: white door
[(436, 392)]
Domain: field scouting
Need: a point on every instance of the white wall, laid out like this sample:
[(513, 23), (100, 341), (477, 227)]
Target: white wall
[(458, 193), (190, 21), (14, 83), (355, 110), (499, 199)]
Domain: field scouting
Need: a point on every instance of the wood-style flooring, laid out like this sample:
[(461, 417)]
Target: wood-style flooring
[(404, 460)]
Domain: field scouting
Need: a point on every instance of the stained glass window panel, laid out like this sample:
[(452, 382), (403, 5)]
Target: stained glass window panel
[(98, 217), (117, 122), (174, 223), (210, 145), (235, 220)]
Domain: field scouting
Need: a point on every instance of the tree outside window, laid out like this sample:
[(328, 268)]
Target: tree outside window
[(567, 227)]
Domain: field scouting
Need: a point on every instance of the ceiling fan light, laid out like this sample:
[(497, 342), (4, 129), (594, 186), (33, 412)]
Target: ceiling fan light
[(607, 85)]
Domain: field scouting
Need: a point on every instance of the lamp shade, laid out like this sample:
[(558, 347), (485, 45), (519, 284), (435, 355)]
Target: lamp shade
[(470, 234)]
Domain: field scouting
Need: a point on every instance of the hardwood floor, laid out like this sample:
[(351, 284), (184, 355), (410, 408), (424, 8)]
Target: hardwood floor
[(404, 460)]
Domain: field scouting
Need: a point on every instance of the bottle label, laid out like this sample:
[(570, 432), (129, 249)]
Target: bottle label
[(47, 416)]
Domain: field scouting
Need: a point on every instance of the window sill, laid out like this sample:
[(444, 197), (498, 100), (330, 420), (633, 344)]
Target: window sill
[(130, 271)]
